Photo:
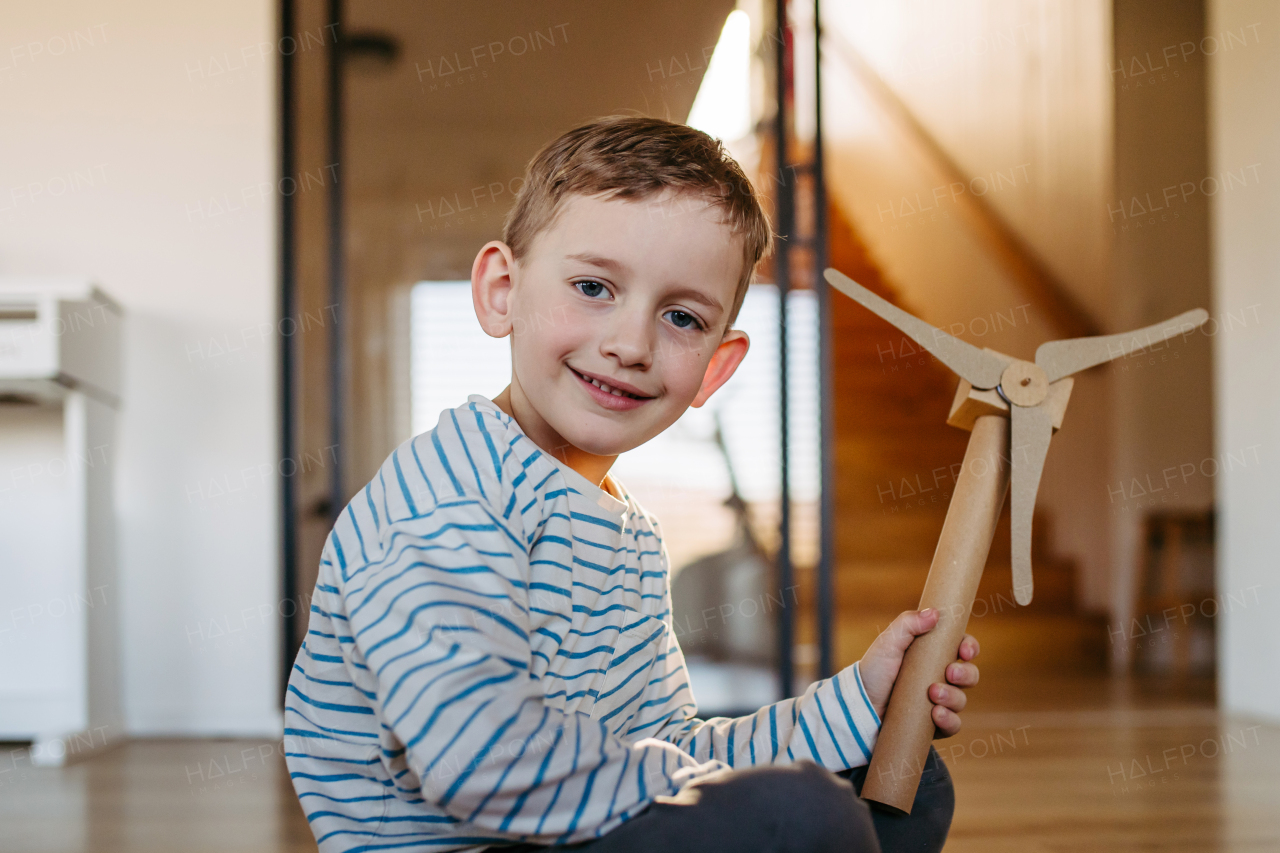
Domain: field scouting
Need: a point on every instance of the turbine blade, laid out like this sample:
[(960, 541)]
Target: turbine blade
[(1063, 358), (979, 368), (1030, 431)]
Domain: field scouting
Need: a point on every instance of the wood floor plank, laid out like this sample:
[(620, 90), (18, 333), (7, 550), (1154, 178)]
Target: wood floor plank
[(1068, 765)]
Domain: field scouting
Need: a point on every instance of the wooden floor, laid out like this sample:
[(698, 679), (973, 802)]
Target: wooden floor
[(1081, 764)]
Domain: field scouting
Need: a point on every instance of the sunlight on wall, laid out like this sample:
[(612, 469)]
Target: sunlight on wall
[(722, 107)]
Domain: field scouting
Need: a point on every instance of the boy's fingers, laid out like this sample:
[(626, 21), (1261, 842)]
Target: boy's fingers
[(968, 647), (945, 721), (948, 697), (962, 674)]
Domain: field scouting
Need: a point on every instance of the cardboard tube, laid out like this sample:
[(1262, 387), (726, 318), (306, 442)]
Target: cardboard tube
[(907, 728)]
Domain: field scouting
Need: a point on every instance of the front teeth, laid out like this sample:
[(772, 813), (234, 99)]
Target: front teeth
[(606, 388)]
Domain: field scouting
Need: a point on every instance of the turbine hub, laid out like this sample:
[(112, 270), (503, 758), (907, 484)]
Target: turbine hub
[(1024, 384)]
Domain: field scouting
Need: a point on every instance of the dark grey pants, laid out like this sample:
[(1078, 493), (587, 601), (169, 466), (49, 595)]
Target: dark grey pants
[(798, 808)]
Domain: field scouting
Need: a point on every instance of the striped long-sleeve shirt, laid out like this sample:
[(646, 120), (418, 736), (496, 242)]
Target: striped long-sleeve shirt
[(490, 659)]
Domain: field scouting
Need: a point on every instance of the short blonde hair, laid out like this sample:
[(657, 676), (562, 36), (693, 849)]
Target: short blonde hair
[(632, 158)]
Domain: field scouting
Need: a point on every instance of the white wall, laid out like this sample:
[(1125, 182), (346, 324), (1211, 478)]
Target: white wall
[(1246, 270), (136, 135)]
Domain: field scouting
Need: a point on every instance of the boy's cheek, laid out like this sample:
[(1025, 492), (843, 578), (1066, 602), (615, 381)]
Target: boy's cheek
[(547, 321), (683, 368), (686, 347)]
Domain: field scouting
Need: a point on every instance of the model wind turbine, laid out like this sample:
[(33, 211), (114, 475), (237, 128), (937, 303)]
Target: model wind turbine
[(1006, 404)]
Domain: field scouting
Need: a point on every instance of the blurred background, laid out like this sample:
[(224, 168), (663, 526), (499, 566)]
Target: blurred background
[(235, 242)]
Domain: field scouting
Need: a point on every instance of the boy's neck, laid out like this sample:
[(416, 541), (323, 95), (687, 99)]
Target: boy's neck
[(594, 468)]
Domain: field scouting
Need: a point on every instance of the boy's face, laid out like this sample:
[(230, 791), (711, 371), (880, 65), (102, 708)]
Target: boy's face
[(630, 294)]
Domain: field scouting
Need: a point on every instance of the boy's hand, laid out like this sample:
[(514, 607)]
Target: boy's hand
[(879, 669)]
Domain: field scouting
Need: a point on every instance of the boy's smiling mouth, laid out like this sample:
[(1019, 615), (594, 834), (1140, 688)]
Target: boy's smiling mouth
[(617, 396)]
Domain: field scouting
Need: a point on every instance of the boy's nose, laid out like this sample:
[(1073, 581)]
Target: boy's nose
[(629, 340)]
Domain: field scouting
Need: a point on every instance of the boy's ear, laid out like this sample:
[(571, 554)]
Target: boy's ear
[(491, 284), (724, 361)]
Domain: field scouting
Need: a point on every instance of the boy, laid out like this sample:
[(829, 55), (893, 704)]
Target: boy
[(490, 660)]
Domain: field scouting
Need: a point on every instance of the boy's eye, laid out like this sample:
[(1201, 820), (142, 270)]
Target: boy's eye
[(590, 288), (682, 319)]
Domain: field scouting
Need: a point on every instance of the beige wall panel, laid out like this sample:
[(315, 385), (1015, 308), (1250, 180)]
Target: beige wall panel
[(1246, 268), (1163, 401)]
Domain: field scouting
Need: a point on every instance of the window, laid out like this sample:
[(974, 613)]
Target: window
[(450, 355)]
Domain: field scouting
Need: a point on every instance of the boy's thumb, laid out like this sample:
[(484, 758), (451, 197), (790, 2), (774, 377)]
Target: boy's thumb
[(912, 624)]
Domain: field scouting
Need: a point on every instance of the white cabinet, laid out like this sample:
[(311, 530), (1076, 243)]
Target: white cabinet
[(60, 680)]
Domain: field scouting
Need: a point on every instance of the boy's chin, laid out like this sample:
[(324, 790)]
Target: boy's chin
[(605, 439), (605, 445), (612, 436)]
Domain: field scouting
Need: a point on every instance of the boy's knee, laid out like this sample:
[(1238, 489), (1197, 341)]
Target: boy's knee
[(936, 797), (798, 808), (925, 829), (821, 811)]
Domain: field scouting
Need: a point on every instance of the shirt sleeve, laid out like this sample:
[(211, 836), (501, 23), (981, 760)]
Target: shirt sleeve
[(441, 620), (831, 723)]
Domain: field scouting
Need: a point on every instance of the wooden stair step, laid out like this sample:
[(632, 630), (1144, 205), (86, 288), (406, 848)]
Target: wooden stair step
[(895, 586), (906, 536), (877, 536), (1011, 642)]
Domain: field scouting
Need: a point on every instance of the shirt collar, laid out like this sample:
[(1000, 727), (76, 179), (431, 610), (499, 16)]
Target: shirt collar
[(572, 478)]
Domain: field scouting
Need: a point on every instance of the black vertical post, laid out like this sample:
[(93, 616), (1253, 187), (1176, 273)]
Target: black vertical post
[(337, 387), (287, 307), (782, 273), (826, 385)]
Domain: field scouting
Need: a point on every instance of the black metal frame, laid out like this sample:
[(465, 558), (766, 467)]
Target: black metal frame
[(337, 281), (288, 302), (826, 384), (288, 356), (785, 223)]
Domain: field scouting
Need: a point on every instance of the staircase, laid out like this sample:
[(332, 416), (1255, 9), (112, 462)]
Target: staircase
[(896, 460)]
